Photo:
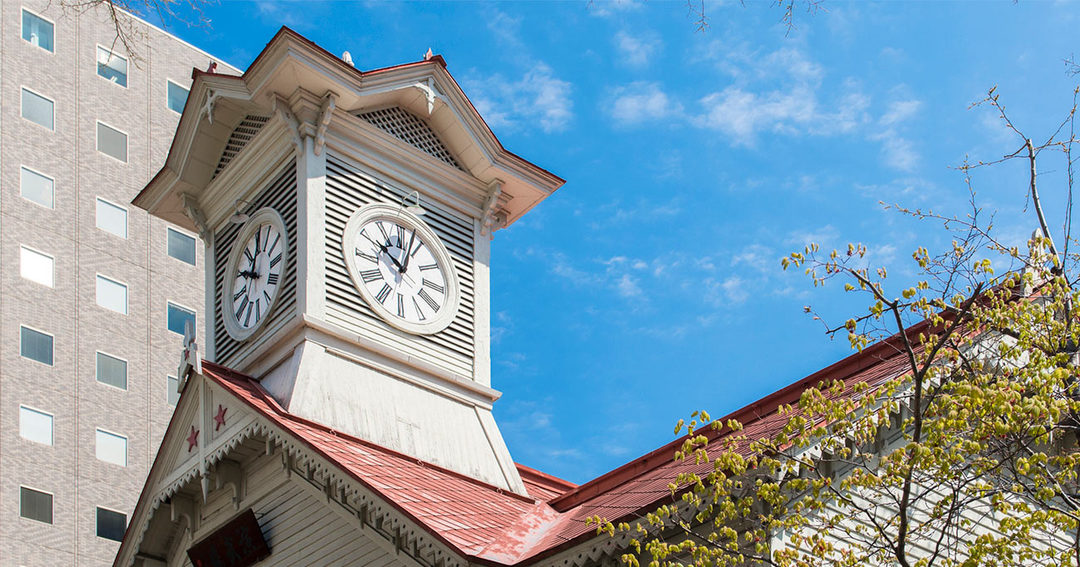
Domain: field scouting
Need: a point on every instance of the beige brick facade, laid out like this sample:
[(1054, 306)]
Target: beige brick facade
[(68, 389)]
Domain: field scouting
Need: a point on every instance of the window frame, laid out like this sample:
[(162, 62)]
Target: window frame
[(97, 512), (23, 116), (97, 140), (50, 20), (194, 314), (52, 424), (52, 500), (126, 439), (97, 375), (167, 81), (36, 172), (97, 69), (118, 206), (52, 265), (52, 354), (97, 301)]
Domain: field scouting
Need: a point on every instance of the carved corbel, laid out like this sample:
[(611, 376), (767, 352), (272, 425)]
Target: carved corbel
[(325, 113), (190, 361), (229, 473), (183, 508), (281, 107), (208, 106), (193, 212), (431, 93), (493, 217)]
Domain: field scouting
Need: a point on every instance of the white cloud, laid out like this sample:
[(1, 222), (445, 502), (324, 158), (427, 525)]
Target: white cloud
[(742, 114), (606, 8), (637, 50), (628, 286), (538, 97), (900, 112), (641, 102), (898, 152)]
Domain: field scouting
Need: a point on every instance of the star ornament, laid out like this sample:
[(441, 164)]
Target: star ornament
[(192, 439), (219, 419)]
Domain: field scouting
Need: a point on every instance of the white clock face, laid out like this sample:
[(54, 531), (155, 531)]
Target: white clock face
[(254, 274), (402, 270)]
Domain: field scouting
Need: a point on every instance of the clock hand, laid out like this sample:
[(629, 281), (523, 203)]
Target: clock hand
[(407, 250), (385, 250)]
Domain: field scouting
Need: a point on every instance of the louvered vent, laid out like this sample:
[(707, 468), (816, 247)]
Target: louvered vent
[(410, 129), (241, 135), (349, 188), (279, 194)]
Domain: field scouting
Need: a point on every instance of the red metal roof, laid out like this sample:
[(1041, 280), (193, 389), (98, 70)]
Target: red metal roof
[(492, 526)]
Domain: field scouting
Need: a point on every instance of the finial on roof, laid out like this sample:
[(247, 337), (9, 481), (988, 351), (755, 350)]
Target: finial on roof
[(347, 57), (212, 67), (428, 55)]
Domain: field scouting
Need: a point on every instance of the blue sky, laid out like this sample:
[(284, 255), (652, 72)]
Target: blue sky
[(650, 286)]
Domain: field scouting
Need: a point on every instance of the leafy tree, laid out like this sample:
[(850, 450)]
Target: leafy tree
[(964, 453)]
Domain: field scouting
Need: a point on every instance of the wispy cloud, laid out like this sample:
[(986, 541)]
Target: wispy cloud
[(642, 102), (538, 97), (638, 49)]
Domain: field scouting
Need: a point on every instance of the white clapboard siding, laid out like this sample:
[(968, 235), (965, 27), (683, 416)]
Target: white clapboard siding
[(347, 189), (279, 194)]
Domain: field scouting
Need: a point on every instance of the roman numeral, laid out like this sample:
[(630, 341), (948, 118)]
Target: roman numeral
[(366, 256), (427, 299), (268, 298), (383, 293), (248, 317), (419, 311), (371, 275), (400, 235), (385, 236), (427, 267), (274, 245), (272, 279), (240, 311), (400, 305), (434, 286), (236, 296), (274, 261), (258, 312), (419, 245), (249, 256), (258, 235)]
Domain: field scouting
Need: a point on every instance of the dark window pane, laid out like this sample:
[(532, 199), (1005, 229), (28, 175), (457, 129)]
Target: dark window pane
[(35, 505), (37, 31), (36, 345), (181, 246), (111, 525), (111, 370), (178, 317)]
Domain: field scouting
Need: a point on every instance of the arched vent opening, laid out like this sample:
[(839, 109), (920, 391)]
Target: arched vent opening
[(410, 129)]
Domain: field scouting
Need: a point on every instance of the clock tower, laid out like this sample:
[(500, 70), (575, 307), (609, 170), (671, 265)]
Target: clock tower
[(347, 218)]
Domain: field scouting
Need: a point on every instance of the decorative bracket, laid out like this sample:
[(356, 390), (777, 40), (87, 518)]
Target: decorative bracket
[(193, 212), (190, 361), (208, 106), (229, 473), (325, 113), (183, 508), (493, 217), (431, 93), (281, 107)]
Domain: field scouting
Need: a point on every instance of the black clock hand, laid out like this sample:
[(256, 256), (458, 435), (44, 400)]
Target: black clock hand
[(401, 269), (407, 250)]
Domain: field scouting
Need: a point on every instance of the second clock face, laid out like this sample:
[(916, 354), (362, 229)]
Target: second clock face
[(401, 269), (257, 275)]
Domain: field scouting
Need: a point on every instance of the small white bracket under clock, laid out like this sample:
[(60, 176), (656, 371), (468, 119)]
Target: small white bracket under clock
[(326, 111), (493, 217), (282, 109), (193, 212)]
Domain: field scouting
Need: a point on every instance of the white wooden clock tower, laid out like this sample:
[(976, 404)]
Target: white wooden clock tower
[(347, 217)]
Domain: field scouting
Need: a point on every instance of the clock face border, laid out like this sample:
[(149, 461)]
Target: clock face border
[(263, 216), (398, 215)]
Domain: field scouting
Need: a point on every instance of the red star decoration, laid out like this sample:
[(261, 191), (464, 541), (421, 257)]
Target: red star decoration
[(193, 439), (219, 419)]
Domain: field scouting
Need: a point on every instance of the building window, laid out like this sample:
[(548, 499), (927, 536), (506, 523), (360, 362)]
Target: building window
[(35, 504), (111, 218), (181, 246), (112, 66), (111, 448), (112, 294), (36, 187), (36, 345), (112, 370), (174, 390), (35, 425), (178, 318), (111, 142), (37, 108), (176, 96), (36, 266), (110, 524), (37, 30)]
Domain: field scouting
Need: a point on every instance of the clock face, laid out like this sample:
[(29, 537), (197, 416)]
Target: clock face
[(401, 269), (253, 275)]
